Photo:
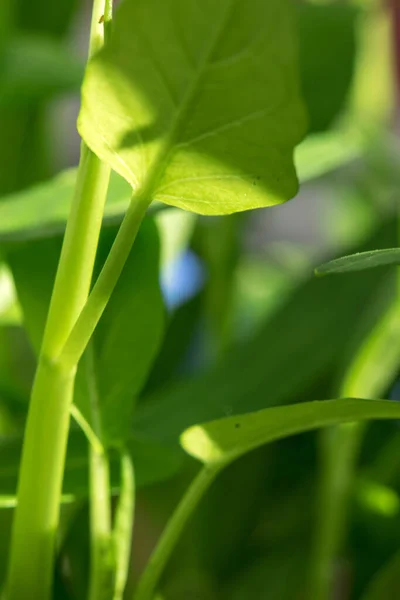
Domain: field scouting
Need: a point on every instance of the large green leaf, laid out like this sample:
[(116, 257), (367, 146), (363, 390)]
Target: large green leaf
[(128, 335), (327, 33), (289, 354), (198, 103), (361, 261), (223, 441), (42, 210)]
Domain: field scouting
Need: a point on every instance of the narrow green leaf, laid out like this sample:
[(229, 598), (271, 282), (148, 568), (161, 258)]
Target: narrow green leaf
[(164, 122), (361, 261), (223, 441)]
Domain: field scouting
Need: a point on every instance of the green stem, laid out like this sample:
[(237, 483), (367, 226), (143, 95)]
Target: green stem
[(105, 284), (366, 377), (339, 450), (102, 566), (124, 525), (39, 489), (149, 580), (43, 456)]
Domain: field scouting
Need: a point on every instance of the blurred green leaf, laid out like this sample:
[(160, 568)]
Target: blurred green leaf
[(278, 577), (153, 462), (35, 68), (288, 355), (42, 210), (45, 16), (163, 121), (176, 227), (361, 261), (385, 583), (10, 313), (127, 338), (223, 441), (321, 153), (367, 374), (327, 33)]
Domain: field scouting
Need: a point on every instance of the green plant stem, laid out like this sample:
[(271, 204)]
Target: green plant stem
[(102, 568), (105, 284), (149, 580), (39, 488), (124, 524), (339, 451), (102, 559), (43, 456)]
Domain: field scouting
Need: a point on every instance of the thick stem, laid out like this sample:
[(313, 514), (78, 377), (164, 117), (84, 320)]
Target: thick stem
[(149, 580), (39, 489), (43, 456), (78, 253)]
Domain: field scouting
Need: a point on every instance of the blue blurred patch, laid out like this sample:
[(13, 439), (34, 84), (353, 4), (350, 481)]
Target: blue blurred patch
[(182, 279)]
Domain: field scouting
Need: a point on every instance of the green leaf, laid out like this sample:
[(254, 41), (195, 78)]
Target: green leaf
[(327, 34), (321, 153), (289, 353), (361, 261), (42, 210), (164, 122), (223, 441), (34, 68), (153, 462)]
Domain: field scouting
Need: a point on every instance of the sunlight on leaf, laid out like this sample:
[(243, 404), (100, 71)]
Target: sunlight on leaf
[(222, 441), (164, 122), (360, 261)]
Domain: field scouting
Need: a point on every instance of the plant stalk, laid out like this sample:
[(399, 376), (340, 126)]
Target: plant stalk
[(102, 558), (43, 456), (102, 568), (105, 284), (124, 524), (147, 585)]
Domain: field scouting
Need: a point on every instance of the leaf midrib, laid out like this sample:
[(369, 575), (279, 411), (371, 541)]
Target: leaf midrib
[(161, 161)]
